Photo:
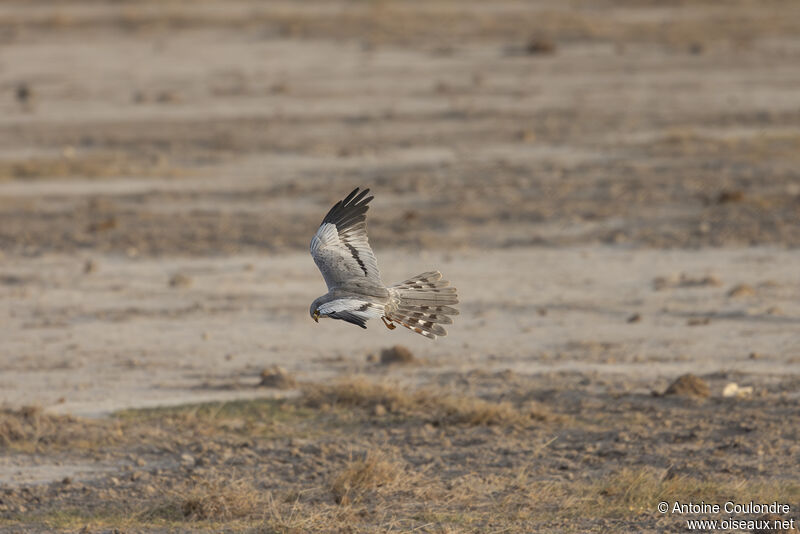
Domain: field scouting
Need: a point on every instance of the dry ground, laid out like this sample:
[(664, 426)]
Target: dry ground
[(361, 456), (612, 185)]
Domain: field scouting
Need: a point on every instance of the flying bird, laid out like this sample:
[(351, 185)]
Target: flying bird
[(356, 292)]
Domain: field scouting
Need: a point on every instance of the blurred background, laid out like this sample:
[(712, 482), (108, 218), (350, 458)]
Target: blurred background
[(614, 186)]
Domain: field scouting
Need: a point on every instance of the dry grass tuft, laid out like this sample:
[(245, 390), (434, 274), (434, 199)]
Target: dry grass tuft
[(397, 355), (357, 478), (456, 409), (689, 385), (278, 378), (637, 491), (30, 429), (217, 499)]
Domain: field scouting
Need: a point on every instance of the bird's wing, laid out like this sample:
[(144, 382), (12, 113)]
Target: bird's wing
[(340, 247), (352, 310)]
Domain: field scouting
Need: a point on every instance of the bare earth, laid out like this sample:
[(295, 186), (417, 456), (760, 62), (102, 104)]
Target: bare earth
[(614, 188)]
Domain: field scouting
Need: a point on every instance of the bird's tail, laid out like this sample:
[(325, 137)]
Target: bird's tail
[(423, 304)]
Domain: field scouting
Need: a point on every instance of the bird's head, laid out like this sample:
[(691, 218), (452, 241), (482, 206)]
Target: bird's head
[(314, 310)]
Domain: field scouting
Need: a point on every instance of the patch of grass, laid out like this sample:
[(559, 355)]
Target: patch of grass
[(86, 166), (366, 474), (215, 499), (29, 429), (251, 410), (454, 409), (76, 519), (633, 492), (255, 417)]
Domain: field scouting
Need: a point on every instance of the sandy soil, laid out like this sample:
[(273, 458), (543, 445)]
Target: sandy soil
[(613, 187)]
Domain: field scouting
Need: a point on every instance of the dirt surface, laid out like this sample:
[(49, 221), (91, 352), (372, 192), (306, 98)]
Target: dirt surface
[(612, 186)]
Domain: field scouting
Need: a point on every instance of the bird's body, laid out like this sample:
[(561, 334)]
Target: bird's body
[(356, 292)]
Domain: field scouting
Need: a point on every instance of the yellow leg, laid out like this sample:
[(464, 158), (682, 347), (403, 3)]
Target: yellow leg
[(388, 323)]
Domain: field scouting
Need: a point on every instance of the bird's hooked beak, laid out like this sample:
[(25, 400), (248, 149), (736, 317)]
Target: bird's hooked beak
[(316, 316)]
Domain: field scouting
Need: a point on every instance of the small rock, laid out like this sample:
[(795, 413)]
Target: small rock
[(727, 197), (696, 48), (168, 97), (397, 354), (108, 223), (187, 460), (90, 266), (635, 318), (756, 356), (698, 321), (24, 93), (379, 410), (66, 481), (180, 280), (742, 290), (277, 377), (689, 385), (526, 136), (538, 45)]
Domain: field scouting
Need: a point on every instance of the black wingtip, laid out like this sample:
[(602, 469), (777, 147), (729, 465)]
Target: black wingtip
[(349, 210), (349, 197), (356, 198)]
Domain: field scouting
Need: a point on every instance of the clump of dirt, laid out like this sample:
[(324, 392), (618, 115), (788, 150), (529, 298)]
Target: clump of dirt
[(635, 318), (90, 266), (689, 385), (179, 280), (727, 197), (278, 378), (538, 45), (397, 355), (742, 290)]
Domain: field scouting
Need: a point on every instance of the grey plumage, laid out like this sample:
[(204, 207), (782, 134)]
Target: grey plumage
[(356, 292)]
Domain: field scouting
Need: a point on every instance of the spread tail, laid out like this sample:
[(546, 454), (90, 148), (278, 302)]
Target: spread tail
[(423, 304)]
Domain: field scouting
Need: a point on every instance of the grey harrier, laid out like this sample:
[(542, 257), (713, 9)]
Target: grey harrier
[(356, 292)]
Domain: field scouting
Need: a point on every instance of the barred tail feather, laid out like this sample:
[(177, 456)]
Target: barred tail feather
[(423, 304)]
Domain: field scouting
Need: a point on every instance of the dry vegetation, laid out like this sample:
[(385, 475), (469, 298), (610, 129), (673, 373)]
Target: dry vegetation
[(432, 461), (427, 405), (148, 139), (87, 166)]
